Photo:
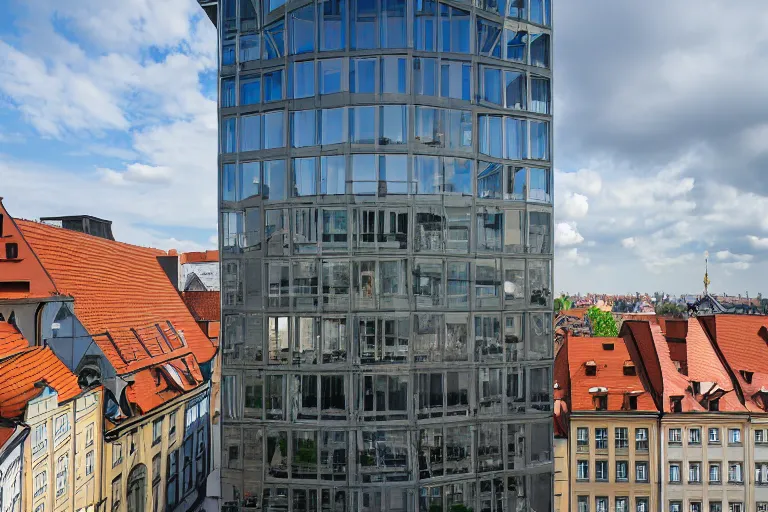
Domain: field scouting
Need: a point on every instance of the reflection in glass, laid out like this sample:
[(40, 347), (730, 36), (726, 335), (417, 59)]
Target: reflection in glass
[(302, 29)]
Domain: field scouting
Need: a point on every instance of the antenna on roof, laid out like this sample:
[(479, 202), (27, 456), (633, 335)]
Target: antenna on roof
[(706, 272)]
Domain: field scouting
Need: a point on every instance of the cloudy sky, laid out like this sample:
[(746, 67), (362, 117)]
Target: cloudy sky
[(107, 107)]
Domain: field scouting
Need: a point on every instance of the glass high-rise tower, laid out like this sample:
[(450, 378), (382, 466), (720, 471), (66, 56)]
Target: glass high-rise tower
[(386, 250)]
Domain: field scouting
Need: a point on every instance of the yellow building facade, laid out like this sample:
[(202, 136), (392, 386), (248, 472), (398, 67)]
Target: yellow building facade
[(612, 462)]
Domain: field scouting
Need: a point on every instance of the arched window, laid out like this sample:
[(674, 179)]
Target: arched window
[(137, 488)]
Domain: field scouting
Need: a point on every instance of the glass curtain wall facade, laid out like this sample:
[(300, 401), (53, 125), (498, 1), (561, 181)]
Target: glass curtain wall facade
[(386, 248)]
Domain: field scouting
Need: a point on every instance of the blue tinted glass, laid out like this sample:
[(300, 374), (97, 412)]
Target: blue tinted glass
[(518, 184), (333, 175), (455, 80), (454, 26), (250, 133), (274, 130), (362, 123), (393, 33), (302, 29), (250, 179), (540, 95), (393, 169), (362, 78), (274, 45), (250, 90), (227, 54), (457, 174), (332, 29), (332, 126), (249, 48), (394, 124), (514, 89), (539, 140), (393, 75), (364, 24), (364, 174), (490, 136), (516, 9), (427, 175), (303, 128), (425, 76), (466, 81), (492, 85), (330, 76), (229, 183), (304, 177), (425, 25), (515, 42), (539, 11), (229, 135), (273, 85), (274, 180), (458, 128), (540, 185), (515, 143), (540, 50), (489, 178), (228, 93), (488, 38), (303, 79), (273, 4)]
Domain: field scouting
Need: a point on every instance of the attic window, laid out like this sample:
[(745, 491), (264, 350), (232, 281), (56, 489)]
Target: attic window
[(632, 402), (763, 333), (601, 402), (11, 251), (629, 368), (747, 376), (676, 403), (608, 346), (591, 368), (696, 387), (714, 405)]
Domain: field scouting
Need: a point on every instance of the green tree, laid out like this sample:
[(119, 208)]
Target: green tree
[(562, 303), (603, 323), (670, 309)]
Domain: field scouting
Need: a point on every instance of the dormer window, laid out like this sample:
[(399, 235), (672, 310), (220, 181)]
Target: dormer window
[(629, 368), (601, 403), (591, 368), (696, 387), (676, 403), (747, 376), (714, 405), (632, 402)]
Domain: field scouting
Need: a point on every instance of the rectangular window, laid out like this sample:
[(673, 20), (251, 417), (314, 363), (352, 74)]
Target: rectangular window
[(539, 140), (489, 179), (601, 470), (157, 431), (456, 80), (540, 96), (425, 76), (250, 47), (427, 175), (425, 25), (117, 493), (736, 506), (622, 471), (331, 76), (621, 438), (428, 282), (539, 51), (394, 124), (274, 130), (393, 26), (393, 74), (304, 177), (491, 85), (491, 135), (303, 128), (734, 436), (515, 43), (333, 25), (274, 40), (675, 436), (694, 472), (117, 454), (641, 439), (515, 140), (279, 288), (250, 133), (734, 472), (305, 235), (714, 472), (228, 93), (302, 79), (488, 38), (336, 284), (332, 175), (229, 135), (364, 24), (674, 472), (273, 85), (641, 505), (675, 506), (333, 126), (514, 90), (302, 29), (362, 75), (641, 472), (457, 176), (622, 504), (89, 458), (250, 90), (582, 438), (454, 30), (362, 125), (583, 503), (489, 229), (601, 438), (601, 504), (694, 436)]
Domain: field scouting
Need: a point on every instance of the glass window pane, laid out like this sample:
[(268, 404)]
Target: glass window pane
[(228, 93), (333, 175), (514, 90), (515, 135), (250, 48), (458, 128), (514, 225), (539, 283), (539, 140), (393, 75), (250, 133), (539, 233), (539, 11), (364, 179), (303, 81), (228, 54), (541, 185), (274, 180), (516, 9), (250, 90), (492, 85), (427, 175), (335, 229), (540, 95), (229, 183), (363, 24), (428, 235), (458, 225), (362, 75), (247, 16), (274, 44), (273, 85), (489, 229), (425, 25), (454, 26), (333, 129), (488, 38), (303, 128), (393, 171), (229, 135), (330, 76), (394, 124), (515, 187), (302, 22), (332, 25), (304, 177), (428, 129), (540, 50), (457, 173), (250, 179), (490, 134), (456, 80), (489, 178), (274, 130), (515, 42), (425, 76), (362, 122), (393, 33)]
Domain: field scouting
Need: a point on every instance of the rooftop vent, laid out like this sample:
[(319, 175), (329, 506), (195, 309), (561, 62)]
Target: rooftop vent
[(591, 368)]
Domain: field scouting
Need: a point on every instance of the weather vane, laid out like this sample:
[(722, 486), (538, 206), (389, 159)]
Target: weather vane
[(706, 272)]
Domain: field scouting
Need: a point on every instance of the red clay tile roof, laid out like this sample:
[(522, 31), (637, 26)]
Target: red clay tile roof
[(199, 257), (675, 383), (204, 306), (118, 288), (610, 375), (154, 386), (20, 372), (11, 340), (5, 434)]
